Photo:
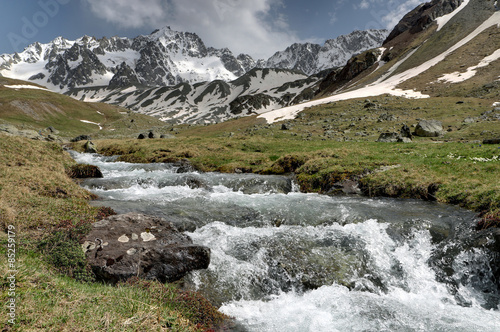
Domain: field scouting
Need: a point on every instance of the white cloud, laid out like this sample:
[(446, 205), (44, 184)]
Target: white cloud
[(396, 14), (254, 27), (386, 14), (130, 13), (365, 4), (333, 17)]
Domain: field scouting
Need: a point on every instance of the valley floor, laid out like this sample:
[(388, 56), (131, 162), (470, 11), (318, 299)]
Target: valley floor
[(331, 149)]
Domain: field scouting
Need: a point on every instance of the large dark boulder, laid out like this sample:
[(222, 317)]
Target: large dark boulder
[(133, 244), (492, 141)]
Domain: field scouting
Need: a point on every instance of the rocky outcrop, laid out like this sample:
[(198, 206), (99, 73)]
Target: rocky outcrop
[(90, 147), (125, 76), (81, 138), (393, 138), (84, 171), (388, 138), (429, 128), (355, 66), (313, 58), (404, 136), (422, 16), (27, 133), (132, 244), (492, 141)]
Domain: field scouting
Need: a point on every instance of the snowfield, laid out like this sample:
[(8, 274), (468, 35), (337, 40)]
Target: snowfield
[(458, 77)]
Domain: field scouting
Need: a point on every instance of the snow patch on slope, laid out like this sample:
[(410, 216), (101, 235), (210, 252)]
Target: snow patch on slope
[(386, 84), (458, 77), (441, 21), (25, 87), (97, 124)]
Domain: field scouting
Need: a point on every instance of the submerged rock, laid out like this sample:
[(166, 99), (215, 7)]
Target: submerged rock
[(132, 244)]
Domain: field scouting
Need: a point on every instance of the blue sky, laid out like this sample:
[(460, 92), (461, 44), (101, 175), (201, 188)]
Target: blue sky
[(257, 27)]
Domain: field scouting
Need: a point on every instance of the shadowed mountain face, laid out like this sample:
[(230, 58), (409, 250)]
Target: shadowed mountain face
[(441, 48), (423, 16)]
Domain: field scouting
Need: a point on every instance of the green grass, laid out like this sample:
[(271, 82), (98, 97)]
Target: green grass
[(50, 212), (38, 109), (49, 301)]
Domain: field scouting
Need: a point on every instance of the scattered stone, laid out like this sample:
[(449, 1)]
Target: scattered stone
[(388, 138), (429, 128), (81, 138), (406, 132), (132, 244), (386, 117), (90, 147), (469, 120)]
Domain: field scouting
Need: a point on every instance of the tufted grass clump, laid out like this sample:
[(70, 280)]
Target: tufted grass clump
[(61, 249), (198, 310)]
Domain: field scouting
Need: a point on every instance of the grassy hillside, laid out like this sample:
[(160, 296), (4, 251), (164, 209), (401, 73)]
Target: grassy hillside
[(38, 109)]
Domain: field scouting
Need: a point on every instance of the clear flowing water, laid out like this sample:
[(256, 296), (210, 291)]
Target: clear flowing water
[(282, 260)]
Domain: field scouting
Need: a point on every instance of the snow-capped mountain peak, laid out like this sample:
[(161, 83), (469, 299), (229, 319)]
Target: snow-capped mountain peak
[(165, 57), (313, 58)]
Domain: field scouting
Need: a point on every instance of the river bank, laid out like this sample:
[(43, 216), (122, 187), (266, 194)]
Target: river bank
[(463, 174), (45, 211)]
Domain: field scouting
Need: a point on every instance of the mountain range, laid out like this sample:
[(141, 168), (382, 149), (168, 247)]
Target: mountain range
[(437, 49), (170, 74), (165, 58)]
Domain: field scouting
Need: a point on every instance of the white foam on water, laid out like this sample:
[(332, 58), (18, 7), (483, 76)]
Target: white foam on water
[(415, 301)]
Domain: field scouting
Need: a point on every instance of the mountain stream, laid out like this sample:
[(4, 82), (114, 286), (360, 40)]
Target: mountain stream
[(282, 260)]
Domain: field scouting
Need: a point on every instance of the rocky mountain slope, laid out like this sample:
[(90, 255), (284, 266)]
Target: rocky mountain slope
[(441, 48), (313, 58), (165, 57), (257, 91), (174, 76)]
